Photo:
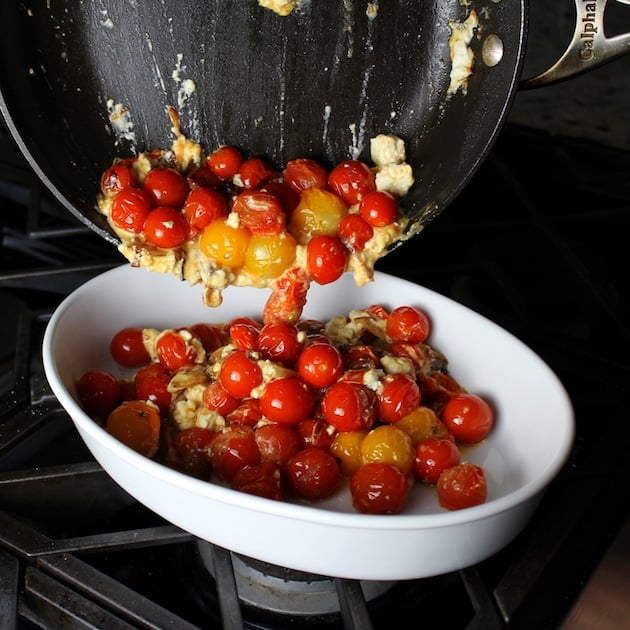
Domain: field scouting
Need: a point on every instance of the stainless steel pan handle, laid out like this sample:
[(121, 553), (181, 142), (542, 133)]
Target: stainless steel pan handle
[(589, 47)]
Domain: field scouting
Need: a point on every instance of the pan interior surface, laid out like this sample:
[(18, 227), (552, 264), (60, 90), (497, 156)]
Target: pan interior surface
[(83, 83)]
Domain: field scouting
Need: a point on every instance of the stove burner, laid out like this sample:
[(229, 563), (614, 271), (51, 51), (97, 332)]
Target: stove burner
[(286, 591)]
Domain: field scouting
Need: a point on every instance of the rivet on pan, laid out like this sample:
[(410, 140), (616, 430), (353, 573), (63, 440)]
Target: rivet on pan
[(492, 50)]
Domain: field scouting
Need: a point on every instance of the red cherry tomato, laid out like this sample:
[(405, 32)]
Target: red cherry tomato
[(175, 349), (151, 383), (193, 449), (99, 392), (117, 177), (354, 232), (399, 396), (407, 323), (462, 486), (304, 173), (240, 374), (351, 180), (166, 187), (262, 480), (203, 177), (260, 212), (218, 399), (244, 333), (326, 258), (254, 172), (233, 449), (359, 357), (247, 412), (432, 456), (225, 161), (127, 348), (379, 488), (202, 206), (314, 432), (211, 337), (378, 208), (279, 342), (287, 197), (320, 365), (165, 227), (349, 406), (287, 400), (313, 473), (468, 417), (130, 208), (277, 443)]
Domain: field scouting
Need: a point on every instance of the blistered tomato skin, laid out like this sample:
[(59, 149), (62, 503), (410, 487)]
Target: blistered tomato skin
[(313, 474), (349, 406), (468, 417), (379, 488), (117, 177), (462, 486), (406, 323), (279, 342), (277, 443), (175, 350), (304, 173), (351, 180), (130, 208), (202, 207), (233, 449)]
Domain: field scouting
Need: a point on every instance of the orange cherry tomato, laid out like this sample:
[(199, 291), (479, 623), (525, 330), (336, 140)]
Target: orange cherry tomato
[(137, 425), (224, 243)]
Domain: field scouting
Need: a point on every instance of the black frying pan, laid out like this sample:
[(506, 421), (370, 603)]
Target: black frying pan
[(319, 82)]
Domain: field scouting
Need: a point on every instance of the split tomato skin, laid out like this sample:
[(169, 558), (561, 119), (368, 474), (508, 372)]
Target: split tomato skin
[(462, 486), (313, 474), (349, 406), (406, 323), (130, 208), (351, 180), (175, 350)]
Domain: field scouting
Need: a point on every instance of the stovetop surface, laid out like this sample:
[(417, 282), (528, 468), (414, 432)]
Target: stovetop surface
[(537, 243)]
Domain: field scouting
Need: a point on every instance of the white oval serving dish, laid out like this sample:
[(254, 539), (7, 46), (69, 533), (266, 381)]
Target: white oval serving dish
[(531, 439)]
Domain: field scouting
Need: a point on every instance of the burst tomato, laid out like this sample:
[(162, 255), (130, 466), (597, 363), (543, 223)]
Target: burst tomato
[(117, 177), (151, 383), (399, 396), (130, 208), (351, 180), (304, 173), (137, 425), (279, 342), (355, 232), (462, 486), (349, 406), (407, 323), (202, 207), (176, 349), (313, 473)]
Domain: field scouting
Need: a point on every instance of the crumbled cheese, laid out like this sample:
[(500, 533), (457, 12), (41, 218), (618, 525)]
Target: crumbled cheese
[(396, 179), (398, 365), (462, 57), (281, 7), (387, 149)]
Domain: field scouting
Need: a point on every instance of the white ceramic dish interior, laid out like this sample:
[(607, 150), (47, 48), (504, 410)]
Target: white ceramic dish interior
[(529, 443)]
